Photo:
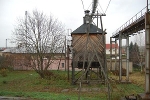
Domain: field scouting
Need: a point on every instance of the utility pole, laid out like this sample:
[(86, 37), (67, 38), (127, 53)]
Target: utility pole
[(65, 52), (68, 60), (147, 6), (6, 43), (26, 29), (146, 95)]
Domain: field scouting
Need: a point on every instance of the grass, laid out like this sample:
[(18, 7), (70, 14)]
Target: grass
[(28, 84), (44, 95)]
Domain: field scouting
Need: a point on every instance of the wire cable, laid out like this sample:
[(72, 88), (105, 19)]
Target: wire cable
[(83, 5), (101, 7), (89, 6), (108, 5)]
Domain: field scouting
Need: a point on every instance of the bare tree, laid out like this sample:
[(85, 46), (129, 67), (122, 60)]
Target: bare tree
[(140, 40), (41, 38)]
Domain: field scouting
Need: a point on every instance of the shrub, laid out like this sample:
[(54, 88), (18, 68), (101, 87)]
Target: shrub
[(48, 74), (4, 82), (4, 72)]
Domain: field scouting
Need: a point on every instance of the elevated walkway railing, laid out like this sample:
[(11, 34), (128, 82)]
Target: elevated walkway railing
[(134, 19)]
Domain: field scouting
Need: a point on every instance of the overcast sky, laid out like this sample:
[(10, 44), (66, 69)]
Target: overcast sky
[(69, 12)]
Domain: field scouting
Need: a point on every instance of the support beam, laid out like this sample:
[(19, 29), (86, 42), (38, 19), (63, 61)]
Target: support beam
[(146, 95), (147, 56), (127, 58), (116, 54), (120, 57), (68, 61), (110, 53), (73, 68)]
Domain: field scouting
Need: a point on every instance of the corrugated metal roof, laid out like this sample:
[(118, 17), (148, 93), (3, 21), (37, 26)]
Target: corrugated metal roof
[(83, 29)]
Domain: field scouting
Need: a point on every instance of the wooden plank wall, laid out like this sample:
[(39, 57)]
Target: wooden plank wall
[(90, 44)]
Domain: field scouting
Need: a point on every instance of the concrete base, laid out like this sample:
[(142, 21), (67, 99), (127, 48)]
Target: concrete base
[(143, 96)]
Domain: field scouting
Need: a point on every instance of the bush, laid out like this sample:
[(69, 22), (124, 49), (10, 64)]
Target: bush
[(4, 82), (4, 72), (48, 74)]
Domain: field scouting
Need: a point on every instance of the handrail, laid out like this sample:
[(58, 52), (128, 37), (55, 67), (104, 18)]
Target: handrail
[(135, 18)]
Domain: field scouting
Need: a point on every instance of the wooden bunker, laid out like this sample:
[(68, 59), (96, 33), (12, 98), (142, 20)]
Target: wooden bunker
[(87, 53)]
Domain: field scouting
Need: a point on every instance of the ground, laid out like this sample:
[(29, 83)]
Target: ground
[(28, 84)]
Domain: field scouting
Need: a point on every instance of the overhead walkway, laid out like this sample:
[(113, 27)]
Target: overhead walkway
[(141, 21), (135, 24)]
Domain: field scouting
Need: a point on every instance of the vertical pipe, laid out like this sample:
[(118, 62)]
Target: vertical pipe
[(115, 53), (68, 60), (26, 14), (147, 55), (65, 52), (110, 53), (6, 43), (147, 6), (127, 58), (73, 68), (97, 21), (120, 57)]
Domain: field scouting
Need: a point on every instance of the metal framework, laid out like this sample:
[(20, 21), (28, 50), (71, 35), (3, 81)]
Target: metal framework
[(88, 52), (139, 22), (88, 55), (135, 24)]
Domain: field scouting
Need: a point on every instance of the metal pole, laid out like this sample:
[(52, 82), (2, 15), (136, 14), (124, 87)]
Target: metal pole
[(68, 60), (127, 58), (120, 57), (26, 29), (73, 67), (97, 21), (26, 22), (146, 95), (65, 52), (115, 53), (110, 53), (147, 5), (6, 43), (147, 56)]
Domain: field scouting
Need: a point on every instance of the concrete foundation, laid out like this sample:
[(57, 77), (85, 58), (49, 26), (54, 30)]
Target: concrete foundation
[(143, 96)]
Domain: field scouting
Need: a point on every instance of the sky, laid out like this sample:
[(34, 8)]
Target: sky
[(69, 12)]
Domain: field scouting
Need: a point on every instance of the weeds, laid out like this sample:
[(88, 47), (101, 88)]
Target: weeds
[(3, 72)]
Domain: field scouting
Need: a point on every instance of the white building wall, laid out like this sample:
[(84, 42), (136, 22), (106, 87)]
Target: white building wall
[(113, 51)]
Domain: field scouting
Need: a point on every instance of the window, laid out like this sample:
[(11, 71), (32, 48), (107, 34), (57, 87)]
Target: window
[(62, 64)]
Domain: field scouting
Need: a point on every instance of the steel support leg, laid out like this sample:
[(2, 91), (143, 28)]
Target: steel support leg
[(68, 61), (147, 59), (127, 58), (146, 95), (120, 57), (116, 54), (73, 69), (110, 53)]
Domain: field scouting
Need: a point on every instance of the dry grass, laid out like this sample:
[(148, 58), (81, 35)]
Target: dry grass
[(136, 78)]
